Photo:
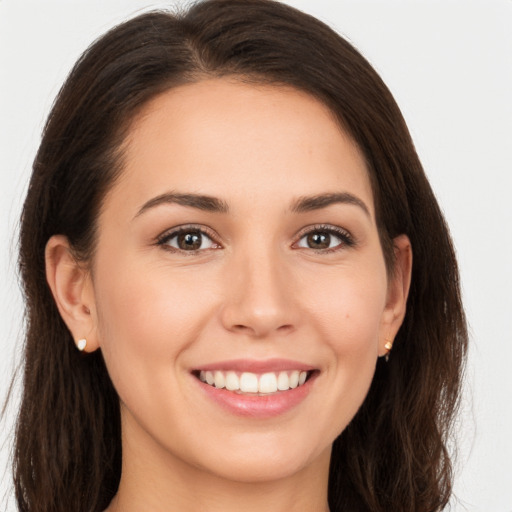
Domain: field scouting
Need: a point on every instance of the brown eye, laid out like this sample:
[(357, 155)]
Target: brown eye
[(188, 240), (319, 240), (325, 239)]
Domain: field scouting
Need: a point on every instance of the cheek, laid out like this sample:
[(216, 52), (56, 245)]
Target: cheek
[(347, 312), (146, 318), (135, 298), (348, 308)]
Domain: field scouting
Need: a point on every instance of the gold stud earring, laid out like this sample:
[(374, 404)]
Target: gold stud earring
[(81, 344), (388, 346)]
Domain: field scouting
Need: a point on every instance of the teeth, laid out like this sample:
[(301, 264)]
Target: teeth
[(283, 381), (268, 383), (249, 382), (219, 380), (294, 379), (232, 382)]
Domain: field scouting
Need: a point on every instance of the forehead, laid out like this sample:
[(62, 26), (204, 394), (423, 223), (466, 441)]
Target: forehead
[(224, 137)]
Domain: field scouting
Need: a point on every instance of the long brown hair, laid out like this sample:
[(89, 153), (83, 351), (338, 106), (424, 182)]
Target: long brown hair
[(393, 455)]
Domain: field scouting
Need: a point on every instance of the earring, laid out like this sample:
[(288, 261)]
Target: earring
[(81, 344), (388, 346)]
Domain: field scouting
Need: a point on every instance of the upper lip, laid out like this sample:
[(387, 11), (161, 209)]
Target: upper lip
[(256, 366)]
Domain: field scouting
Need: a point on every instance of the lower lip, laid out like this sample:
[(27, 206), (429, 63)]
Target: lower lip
[(254, 406)]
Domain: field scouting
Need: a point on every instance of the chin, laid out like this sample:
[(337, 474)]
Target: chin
[(262, 461)]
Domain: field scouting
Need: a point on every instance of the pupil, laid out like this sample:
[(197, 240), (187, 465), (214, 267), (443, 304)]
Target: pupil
[(189, 241), (319, 240)]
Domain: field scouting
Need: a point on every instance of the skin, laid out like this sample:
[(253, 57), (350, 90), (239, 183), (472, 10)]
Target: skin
[(254, 290)]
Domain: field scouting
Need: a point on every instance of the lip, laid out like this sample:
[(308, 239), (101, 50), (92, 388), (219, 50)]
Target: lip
[(257, 406), (256, 365)]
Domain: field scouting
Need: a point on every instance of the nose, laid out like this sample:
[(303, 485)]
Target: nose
[(260, 299)]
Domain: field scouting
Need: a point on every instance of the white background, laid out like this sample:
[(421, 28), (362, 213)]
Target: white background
[(449, 65)]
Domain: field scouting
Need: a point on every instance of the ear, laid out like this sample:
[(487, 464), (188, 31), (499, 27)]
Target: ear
[(72, 291), (398, 291)]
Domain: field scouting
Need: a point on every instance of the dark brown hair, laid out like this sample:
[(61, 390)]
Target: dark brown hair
[(393, 455)]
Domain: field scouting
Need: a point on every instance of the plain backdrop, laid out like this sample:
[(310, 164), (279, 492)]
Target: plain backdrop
[(449, 66)]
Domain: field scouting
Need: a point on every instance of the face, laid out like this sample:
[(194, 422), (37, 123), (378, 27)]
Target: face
[(239, 249)]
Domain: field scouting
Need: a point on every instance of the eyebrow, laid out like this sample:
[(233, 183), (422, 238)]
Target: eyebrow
[(213, 204), (310, 203), (201, 202)]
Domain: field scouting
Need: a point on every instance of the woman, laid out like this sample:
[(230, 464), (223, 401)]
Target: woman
[(240, 288)]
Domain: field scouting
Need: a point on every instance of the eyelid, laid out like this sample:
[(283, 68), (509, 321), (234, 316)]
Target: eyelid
[(168, 234), (346, 237), (342, 233)]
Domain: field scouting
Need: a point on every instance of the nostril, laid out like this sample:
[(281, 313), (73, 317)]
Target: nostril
[(254, 331), (240, 327)]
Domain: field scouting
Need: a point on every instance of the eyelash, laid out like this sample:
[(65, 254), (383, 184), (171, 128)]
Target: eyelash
[(346, 238), (164, 239)]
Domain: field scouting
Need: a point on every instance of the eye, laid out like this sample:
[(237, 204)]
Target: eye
[(189, 239), (325, 238)]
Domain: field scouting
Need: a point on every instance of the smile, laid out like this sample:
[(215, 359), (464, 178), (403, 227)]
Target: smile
[(254, 383), (256, 389)]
